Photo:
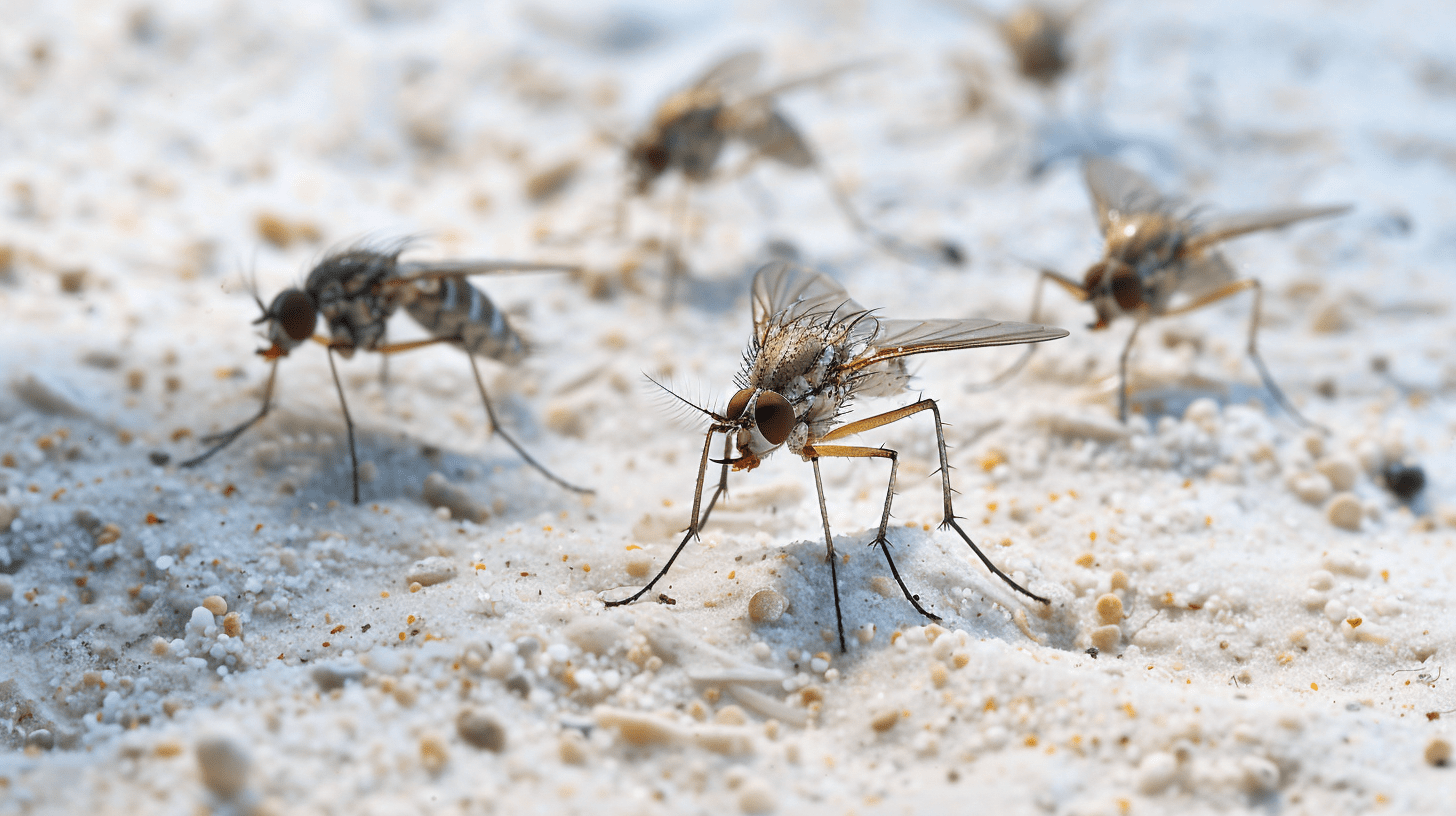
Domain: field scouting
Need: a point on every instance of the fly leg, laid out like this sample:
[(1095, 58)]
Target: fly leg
[(1229, 290), (1075, 289), (675, 267), (222, 440), (1122, 373), (348, 423), (697, 523), (881, 537), (495, 427), (833, 560), (949, 520)]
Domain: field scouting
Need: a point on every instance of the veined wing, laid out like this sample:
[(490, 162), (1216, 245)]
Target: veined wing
[(1221, 228), (732, 71), (816, 77), (434, 270), (1204, 274), (783, 292), (1118, 190), (902, 338)]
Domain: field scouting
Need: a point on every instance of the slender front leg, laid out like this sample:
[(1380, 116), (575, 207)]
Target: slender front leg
[(1122, 374), (226, 438), (886, 418), (694, 526), (833, 561), (882, 537), (495, 427), (348, 423)]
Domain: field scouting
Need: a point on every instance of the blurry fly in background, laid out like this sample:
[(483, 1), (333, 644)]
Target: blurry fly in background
[(813, 351), (690, 130), (356, 291), (1152, 256)]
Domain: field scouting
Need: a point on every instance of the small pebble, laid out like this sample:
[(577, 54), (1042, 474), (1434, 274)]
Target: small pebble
[(596, 635), (884, 722), (1438, 752), (433, 754), (1311, 488), (1406, 482), (939, 674), (1119, 580), (40, 739), (1107, 638), (439, 492), (215, 604), (1109, 609), (159, 458), (730, 715), (232, 624), (1340, 470), (572, 747), (1156, 772), (1260, 776), (766, 606), (756, 797), (1344, 511), (8, 514), (638, 565), (430, 571), (481, 730), (224, 765)]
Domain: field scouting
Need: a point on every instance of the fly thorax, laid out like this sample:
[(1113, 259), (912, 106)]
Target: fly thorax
[(785, 356)]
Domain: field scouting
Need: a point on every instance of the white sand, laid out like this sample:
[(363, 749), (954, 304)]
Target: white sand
[(1267, 661)]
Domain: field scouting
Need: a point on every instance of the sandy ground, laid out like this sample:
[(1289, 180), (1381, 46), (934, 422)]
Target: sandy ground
[(240, 638)]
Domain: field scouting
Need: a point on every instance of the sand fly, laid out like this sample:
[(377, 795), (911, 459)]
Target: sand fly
[(1154, 256), (690, 130), (813, 351), (356, 291), (1036, 35)]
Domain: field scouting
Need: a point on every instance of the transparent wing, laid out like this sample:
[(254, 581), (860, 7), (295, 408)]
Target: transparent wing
[(732, 71), (784, 291), (1221, 228), (818, 76), (1117, 190), (434, 270), (1204, 274), (902, 338)]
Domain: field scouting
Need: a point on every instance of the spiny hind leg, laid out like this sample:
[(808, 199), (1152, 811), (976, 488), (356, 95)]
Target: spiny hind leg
[(882, 539), (949, 519)]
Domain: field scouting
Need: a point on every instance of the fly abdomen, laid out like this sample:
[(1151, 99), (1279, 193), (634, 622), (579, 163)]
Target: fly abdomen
[(450, 308)]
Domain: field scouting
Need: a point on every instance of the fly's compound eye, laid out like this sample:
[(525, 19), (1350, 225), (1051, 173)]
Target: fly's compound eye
[(774, 417), (295, 312), (738, 403), (1127, 289)]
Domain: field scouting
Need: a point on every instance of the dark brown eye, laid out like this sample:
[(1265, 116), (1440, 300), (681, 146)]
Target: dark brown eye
[(774, 417), (295, 312), (738, 403), (1127, 289)]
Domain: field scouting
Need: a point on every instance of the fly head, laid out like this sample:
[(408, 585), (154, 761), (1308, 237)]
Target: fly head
[(289, 321)]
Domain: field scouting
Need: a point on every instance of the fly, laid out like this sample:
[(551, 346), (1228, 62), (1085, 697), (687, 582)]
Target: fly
[(1153, 256), (692, 127), (813, 351), (356, 291)]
